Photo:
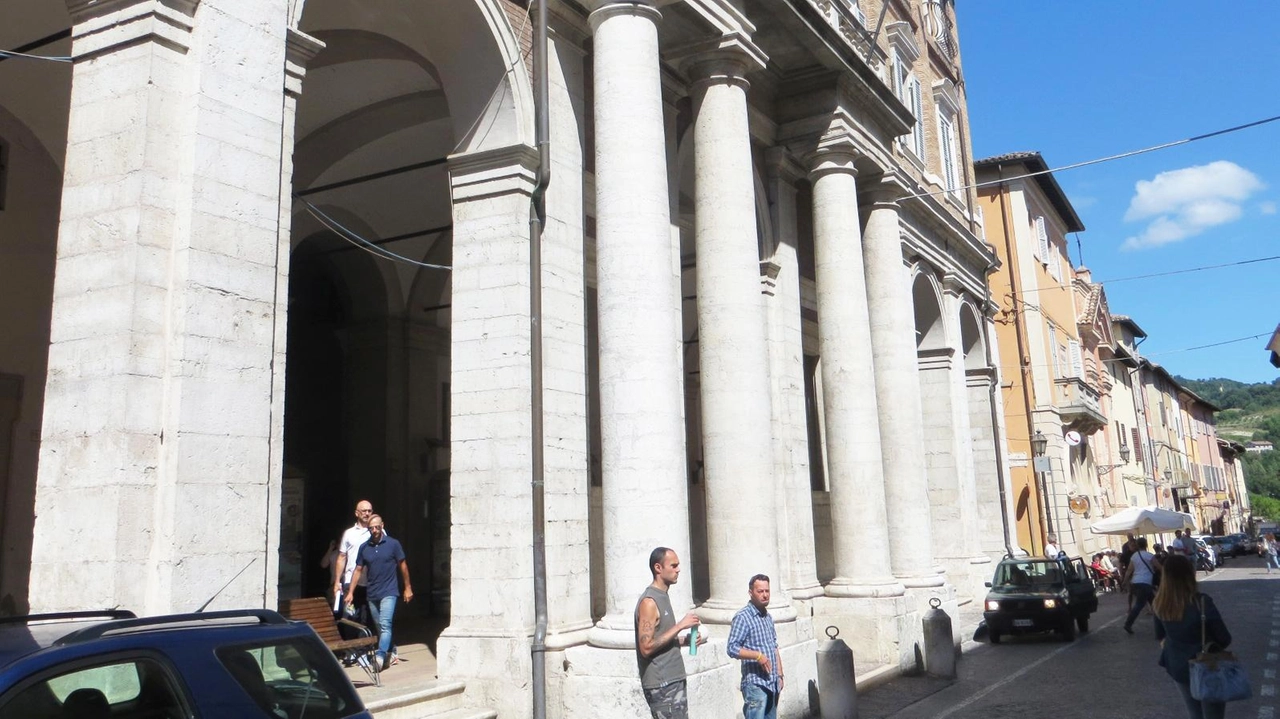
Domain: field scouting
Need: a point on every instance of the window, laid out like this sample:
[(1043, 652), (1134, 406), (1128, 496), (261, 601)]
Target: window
[(133, 687), (1055, 263), (947, 100), (1077, 359), (906, 86), (1042, 239), (289, 679), (1053, 352)]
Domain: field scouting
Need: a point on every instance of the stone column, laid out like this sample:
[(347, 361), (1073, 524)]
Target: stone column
[(781, 275), (733, 356), (898, 393), (159, 417), (645, 491), (858, 511)]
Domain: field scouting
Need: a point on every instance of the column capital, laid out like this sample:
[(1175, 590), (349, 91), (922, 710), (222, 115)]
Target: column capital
[(300, 48), (884, 191), (500, 171), (953, 284), (99, 26), (602, 10), (833, 158), (724, 59)]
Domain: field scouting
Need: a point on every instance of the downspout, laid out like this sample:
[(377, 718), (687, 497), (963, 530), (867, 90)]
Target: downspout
[(995, 423), (537, 218), (1018, 314)]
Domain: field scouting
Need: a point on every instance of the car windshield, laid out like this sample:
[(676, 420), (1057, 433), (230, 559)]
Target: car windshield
[(1028, 574), (290, 679)]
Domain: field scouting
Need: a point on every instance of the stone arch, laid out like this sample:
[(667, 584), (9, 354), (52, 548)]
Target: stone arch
[(971, 337), (491, 99), (926, 297)]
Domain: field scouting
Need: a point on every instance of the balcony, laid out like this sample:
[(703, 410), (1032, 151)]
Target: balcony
[(1079, 405)]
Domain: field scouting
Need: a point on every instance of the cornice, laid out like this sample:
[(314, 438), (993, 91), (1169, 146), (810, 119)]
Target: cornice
[(102, 26)]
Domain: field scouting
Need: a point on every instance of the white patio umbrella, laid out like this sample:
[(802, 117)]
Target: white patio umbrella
[(1143, 520)]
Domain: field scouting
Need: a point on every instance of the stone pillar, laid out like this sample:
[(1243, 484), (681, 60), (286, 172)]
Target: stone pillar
[(160, 422), (490, 434), (781, 276), (733, 355), (985, 457), (645, 491), (898, 393), (858, 511)]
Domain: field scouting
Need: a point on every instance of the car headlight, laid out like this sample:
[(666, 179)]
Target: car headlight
[(993, 605), (1050, 604)]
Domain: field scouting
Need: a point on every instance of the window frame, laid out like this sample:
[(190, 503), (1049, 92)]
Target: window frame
[(174, 678)]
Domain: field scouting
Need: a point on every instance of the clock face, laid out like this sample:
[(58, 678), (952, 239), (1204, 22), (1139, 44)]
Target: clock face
[(1073, 438)]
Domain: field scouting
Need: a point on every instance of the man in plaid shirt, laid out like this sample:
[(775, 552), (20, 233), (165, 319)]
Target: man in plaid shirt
[(753, 640)]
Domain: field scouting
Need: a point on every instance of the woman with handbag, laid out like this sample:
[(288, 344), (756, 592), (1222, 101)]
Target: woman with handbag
[(1188, 626)]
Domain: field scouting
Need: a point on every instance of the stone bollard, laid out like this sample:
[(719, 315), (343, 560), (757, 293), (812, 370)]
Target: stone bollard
[(837, 687), (939, 649)]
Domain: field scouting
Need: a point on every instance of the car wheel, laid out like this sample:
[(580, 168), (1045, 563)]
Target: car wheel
[(1082, 623), (994, 637), (1068, 631)]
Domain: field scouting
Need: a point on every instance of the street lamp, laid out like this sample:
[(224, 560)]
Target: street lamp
[(1124, 459), (1040, 443)]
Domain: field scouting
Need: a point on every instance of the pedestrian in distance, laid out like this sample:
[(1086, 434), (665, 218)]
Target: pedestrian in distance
[(658, 640), (344, 566), (381, 559), (1269, 551), (1178, 607), (1051, 548), (753, 641), (1143, 575)]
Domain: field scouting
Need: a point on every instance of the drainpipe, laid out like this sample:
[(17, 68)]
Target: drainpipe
[(537, 217), (995, 422)]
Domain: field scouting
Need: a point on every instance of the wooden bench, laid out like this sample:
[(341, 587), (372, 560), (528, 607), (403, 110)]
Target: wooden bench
[(318, 612)]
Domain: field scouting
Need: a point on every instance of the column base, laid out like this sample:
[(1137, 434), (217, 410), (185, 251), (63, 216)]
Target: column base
[(721, 611), (488, 661), (871, 626), (809, 591), (614, 631), (855, 589), (934, 578)]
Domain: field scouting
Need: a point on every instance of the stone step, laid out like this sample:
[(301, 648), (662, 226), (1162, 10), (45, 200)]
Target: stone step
[(436, 699)]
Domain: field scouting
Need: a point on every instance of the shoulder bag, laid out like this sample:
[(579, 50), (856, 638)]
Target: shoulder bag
[(1217, 676)]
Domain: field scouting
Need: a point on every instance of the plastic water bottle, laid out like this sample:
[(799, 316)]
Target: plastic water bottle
[(693, 641)]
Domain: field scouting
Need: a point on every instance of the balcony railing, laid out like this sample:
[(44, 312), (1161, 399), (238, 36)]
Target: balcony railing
[(1079, 404)]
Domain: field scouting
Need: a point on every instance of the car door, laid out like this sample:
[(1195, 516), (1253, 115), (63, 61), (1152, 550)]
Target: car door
[(1079, 585)]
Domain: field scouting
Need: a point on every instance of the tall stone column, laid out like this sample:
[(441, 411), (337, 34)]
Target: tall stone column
[(858, 510), (781, 275), (733, 355), (645, 490), (898, 393), (159, 421)]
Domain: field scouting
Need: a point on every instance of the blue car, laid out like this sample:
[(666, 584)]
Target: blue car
[(246, 664)]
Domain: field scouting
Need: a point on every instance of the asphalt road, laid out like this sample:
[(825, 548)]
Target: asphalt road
[(1105, 673)]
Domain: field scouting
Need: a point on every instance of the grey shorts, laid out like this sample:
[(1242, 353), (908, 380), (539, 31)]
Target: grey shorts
[(668, 702)]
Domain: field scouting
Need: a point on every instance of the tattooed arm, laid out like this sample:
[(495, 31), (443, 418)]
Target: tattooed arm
[(648, 640)]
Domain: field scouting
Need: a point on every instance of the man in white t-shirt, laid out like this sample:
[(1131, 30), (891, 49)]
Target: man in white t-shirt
[(1051, 549), (1179, 545), (1143, 574), (356, 535)]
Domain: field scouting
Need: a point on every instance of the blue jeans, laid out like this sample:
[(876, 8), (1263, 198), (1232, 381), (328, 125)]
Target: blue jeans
[(1271, 561), (1197, 709), (758, 702), (383, 611), (1142, 595)]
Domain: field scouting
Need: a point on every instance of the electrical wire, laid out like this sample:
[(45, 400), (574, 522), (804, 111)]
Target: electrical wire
[(15, 53), (360, 242), (1100, 160), (1193, 269)]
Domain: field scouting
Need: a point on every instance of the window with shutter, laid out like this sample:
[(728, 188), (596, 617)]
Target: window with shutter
[(917, 107), (1042, 240), (1055, 263), (1053, 352), (1136, 446), (947, 147), (1077, 359)]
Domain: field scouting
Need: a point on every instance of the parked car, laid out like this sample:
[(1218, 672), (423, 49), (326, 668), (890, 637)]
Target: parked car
[(1039, 595), (1230, 545), (1247, 544), (251, 663), (1209, 559)]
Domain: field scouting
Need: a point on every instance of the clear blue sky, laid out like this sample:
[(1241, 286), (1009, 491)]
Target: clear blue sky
[(1081, 80)]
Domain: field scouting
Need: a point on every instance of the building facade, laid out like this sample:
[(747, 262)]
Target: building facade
[(274, 257)]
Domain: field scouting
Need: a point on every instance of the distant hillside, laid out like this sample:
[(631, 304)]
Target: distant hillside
[(1249, 411)]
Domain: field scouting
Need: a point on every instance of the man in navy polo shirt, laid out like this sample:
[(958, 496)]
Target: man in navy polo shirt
[(378, 559)]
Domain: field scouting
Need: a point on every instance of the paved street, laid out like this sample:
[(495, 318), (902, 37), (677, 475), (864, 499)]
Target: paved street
[(1105, 673)]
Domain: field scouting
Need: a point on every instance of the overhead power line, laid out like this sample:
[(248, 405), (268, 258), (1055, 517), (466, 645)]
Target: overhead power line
[(1109, 158), (15, 53), (1191, 269), (355, 239)]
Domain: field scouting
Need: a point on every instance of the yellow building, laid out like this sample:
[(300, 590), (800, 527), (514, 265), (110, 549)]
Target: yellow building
[(1049, 393)]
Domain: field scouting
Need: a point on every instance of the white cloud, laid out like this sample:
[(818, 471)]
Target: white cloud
[(1183, 203), (1267, 208)]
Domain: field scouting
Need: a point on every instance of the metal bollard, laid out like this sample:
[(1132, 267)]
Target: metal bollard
[(837, 688), (939, 649)]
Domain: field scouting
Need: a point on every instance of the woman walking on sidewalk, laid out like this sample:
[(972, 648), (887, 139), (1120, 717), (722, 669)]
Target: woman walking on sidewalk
[(1268, 548), (1178, 606)]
